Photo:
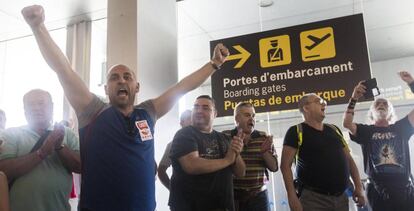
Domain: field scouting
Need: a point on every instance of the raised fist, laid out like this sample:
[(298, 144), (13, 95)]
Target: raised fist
[(220, 54), (359, 90), (406, 76), (34, 15)]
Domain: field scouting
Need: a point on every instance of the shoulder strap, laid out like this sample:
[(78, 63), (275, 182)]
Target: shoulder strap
[(299, 131), (39, 142), (338, 132)]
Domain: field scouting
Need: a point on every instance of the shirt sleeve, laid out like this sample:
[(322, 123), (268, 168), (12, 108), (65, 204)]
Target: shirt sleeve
[(404, 126), (148, 106), (183, 144), (92, 110), (71, 140), (291, 137), (8, 148), (165, 160), (361, 135)]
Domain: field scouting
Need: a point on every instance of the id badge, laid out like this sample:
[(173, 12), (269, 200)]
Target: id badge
[(144, 130)]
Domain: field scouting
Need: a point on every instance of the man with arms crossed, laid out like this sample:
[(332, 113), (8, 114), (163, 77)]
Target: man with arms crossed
[(204, 162)]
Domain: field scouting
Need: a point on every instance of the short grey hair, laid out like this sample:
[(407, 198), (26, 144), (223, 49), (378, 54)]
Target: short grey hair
[(304, 101), (241, 105)]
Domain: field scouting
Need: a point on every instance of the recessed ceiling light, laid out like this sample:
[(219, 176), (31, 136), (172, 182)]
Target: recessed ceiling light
[(265, 3)]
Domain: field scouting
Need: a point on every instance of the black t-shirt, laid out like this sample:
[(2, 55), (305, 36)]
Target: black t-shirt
[(386, 151), (205, 191), (321, 163)]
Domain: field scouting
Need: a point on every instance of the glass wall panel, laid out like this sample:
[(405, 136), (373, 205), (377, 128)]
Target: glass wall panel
[(22, 68)]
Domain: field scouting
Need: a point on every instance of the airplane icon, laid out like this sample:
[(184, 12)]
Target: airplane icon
[(316, 41)]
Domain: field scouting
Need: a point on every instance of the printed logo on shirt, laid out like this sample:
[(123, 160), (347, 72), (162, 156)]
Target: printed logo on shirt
[(383, 136), (144, 130)]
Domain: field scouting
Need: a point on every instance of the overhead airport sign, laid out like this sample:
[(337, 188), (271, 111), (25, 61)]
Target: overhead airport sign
[(273, 69)]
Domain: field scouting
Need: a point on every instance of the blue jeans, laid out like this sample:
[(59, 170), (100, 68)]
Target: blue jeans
[(260, 202)]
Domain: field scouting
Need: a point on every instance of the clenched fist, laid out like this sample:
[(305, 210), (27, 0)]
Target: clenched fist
[(34, 15), (220, 54)]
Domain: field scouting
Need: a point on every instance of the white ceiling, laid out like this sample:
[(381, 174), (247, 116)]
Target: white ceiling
[(59, 13), (389, 24)]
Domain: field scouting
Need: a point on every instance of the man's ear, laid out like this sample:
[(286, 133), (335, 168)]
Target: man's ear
[(236, 119), (137, 88), (305, 109)]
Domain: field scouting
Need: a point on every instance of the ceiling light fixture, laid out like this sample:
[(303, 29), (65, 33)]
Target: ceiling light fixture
[(265, 3)]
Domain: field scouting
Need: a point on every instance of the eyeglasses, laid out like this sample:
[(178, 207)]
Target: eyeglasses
[(320, 101)]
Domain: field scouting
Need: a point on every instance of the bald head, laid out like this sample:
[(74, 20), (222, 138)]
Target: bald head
[(121, 87), (185, 118), (118, 67)]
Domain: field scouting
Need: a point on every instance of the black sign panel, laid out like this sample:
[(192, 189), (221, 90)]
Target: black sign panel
[(273, 69)]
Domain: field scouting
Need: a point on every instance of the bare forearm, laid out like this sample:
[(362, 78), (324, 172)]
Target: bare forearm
[(354, 173), (75, 89), (70, 159), (239, 167), (50, 51), (288, 179), (16, 167), (203, 166), (167, 100), (271, 161), (163, 176), (196, 78), (348, 119)]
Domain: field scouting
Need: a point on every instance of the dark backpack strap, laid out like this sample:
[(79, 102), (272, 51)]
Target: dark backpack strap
[(37, 146), (40, 142)]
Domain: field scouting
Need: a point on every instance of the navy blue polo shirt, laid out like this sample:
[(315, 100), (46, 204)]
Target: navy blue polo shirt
[(117, 155)]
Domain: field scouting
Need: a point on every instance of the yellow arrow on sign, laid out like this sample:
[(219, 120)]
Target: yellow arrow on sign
[(243, 56)]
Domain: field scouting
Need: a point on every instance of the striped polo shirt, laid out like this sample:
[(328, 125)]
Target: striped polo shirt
[(256, 169)]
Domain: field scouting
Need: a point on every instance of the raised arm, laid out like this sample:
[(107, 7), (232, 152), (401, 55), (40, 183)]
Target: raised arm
[(406, 77), (167, 100), (348, 121), (75, 89)]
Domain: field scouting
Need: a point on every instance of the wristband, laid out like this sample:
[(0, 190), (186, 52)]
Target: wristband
[(216, 67), (350, 112), (411, 85), (352, 103), (40, 154)]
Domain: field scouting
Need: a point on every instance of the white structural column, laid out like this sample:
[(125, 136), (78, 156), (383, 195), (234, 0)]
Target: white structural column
[(122, 33), (143, 35)]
